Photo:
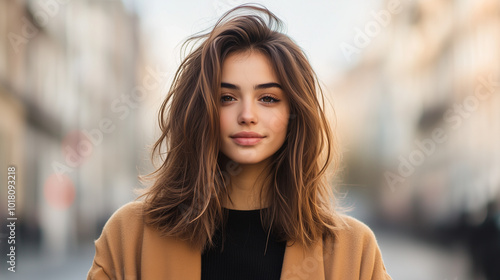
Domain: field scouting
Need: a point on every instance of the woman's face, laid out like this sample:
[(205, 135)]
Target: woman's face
[(251, 100)]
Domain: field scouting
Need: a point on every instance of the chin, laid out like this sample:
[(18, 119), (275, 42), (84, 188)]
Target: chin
[(245, 161), (245, 157)]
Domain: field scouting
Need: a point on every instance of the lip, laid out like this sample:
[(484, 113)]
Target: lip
[(247, 134), (247, 138), (247, 141)]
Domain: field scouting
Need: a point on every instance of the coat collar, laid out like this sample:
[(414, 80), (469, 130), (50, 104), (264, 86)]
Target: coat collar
[(175, 259)]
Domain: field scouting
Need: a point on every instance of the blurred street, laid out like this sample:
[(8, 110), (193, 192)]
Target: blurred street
[(32, 265), (414, 87), (410, 259)]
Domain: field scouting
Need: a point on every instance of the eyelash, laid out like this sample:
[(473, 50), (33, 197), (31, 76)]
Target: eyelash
[(272, 97)]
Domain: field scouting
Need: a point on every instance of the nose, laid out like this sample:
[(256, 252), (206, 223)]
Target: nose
[(247, 113)]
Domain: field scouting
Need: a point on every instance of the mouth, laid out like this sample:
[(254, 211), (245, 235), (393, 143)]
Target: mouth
[(247, 141), (247, 138), (247, 134)]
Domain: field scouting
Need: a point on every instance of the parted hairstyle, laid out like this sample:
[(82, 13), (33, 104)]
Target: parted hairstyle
[(185, 199)]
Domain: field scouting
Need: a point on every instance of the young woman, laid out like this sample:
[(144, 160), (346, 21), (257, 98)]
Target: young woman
[(243, 192)]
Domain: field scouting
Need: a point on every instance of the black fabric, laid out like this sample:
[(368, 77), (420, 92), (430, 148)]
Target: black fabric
[(243, 253)]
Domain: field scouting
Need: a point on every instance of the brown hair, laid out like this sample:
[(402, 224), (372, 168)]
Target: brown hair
[(189, 186)]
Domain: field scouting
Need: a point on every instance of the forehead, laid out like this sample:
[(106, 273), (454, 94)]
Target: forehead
[(248, 67)]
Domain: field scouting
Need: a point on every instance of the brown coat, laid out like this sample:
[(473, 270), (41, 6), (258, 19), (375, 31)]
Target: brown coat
[(128, 249)]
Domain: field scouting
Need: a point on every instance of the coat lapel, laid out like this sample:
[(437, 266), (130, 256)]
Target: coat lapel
[(168, 258), (175, 259), (303, 263)]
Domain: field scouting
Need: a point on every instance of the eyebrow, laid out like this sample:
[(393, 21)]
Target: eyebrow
[(261, 86)]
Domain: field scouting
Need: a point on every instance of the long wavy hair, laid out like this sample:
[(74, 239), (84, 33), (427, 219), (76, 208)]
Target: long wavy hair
[(189, 186)]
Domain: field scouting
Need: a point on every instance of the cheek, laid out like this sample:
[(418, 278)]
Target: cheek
[(278, 121), (224, 122)]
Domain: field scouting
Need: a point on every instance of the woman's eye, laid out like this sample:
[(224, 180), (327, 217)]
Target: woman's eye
[(270, 99), (266, 99), (226, 98)]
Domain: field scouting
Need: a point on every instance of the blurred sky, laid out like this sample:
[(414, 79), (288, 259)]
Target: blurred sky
[(319, 26)]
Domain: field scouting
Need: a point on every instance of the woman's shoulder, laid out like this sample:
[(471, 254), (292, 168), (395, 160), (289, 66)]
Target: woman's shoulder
[(353, 224), (129, 216), (132, 208), (355, 241), (351, 230)]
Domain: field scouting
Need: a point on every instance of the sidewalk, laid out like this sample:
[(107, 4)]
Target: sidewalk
[(35, 266)]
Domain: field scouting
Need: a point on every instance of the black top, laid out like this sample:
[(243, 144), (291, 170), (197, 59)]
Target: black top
[(243, 253)]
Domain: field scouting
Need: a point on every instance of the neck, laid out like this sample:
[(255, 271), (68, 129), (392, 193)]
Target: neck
[(245, 186)]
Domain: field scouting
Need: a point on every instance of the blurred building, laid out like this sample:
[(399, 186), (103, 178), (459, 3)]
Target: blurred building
[(421, 112), (67, 122), (436, 80)]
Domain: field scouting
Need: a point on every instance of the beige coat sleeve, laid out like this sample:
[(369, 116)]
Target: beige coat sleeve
[(117, 252)]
